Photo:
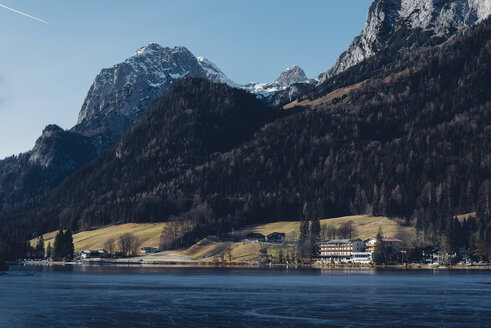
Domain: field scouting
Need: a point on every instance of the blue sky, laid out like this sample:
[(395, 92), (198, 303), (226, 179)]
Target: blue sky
[(46, 70)]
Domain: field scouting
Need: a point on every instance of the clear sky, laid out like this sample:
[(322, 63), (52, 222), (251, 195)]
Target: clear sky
[(46, 70)]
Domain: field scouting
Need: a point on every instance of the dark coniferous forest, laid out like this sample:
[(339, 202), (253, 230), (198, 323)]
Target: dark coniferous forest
[(407, 136)]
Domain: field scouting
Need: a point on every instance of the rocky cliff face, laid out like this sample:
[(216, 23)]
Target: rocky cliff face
[(120, 94), (61, 150), (214, 74), (292, 75), (434, 20)]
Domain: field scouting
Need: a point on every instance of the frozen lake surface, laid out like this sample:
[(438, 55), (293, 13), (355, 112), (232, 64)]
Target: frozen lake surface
[(91, 296)]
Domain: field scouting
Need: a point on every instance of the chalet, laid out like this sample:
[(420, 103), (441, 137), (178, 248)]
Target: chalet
[(254, 237), (147, 250), (463, 254), (90, 254), (341, 250), (276, 237), (430, 254), (392, 245)]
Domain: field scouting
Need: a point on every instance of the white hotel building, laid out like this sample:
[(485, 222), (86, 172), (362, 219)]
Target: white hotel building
[(343, 250)]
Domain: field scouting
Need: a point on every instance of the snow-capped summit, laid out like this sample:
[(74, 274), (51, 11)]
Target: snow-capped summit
[(283, 89), (291, 75), (149, 49), (419, 21), (120, 94), (213, 73)]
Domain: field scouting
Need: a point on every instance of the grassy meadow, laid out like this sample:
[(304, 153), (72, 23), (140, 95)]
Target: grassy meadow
[(209, 250)]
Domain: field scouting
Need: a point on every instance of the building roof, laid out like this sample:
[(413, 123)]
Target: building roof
[(390, 239), (90, 251), (277, 233), (255, 235), (336, 241), (383, 239)]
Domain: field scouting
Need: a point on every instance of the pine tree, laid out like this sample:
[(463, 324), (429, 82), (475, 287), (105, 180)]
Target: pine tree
[(49, 251), (315, 236), (304, 241), (379, 253), (68, 247), (39, 251), (58, 249)]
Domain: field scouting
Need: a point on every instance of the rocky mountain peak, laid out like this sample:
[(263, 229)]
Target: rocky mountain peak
[(292, 75), (60, 149), (213, 73), (120, 94), (150, 48), (435, 20), (50, 130)]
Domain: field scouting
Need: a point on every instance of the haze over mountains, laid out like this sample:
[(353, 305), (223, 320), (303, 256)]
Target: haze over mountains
[(216, 154)]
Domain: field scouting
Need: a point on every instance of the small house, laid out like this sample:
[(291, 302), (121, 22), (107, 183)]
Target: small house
[(147, 250), (430, 254), (92, 254), (254, 237), (463, 254), (276, 237)]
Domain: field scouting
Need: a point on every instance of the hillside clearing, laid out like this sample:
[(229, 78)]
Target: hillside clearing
[(209, 250), (148, 233)]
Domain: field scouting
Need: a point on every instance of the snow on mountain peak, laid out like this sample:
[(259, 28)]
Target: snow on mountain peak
[(291, 75), (436, 18), (213, 73), (150, 48), (269, 92), (120, 94)]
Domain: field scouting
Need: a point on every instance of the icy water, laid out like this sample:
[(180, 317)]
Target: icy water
[(190, 297)]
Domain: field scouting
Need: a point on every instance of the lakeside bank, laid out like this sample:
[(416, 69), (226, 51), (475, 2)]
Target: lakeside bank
[(215, 264)]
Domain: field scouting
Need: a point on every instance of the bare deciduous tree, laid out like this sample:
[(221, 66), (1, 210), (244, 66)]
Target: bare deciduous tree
[(110, 245), (128, 244)]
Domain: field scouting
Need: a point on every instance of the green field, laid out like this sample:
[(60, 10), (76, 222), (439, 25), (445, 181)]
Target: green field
[(208, 250)]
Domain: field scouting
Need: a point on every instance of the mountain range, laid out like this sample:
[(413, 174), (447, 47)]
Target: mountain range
[(167, 134), (114, 103)]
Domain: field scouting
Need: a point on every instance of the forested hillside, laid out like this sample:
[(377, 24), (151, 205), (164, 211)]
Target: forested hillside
[(27, 180), (194, 122), (410, 140), (414, 143)]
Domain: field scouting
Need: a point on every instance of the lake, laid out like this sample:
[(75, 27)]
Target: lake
[(93, 296)]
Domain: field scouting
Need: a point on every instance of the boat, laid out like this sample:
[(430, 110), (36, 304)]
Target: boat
[(3, 266)]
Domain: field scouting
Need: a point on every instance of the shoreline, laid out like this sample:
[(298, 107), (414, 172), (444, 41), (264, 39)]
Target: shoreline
[(256, 265)]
